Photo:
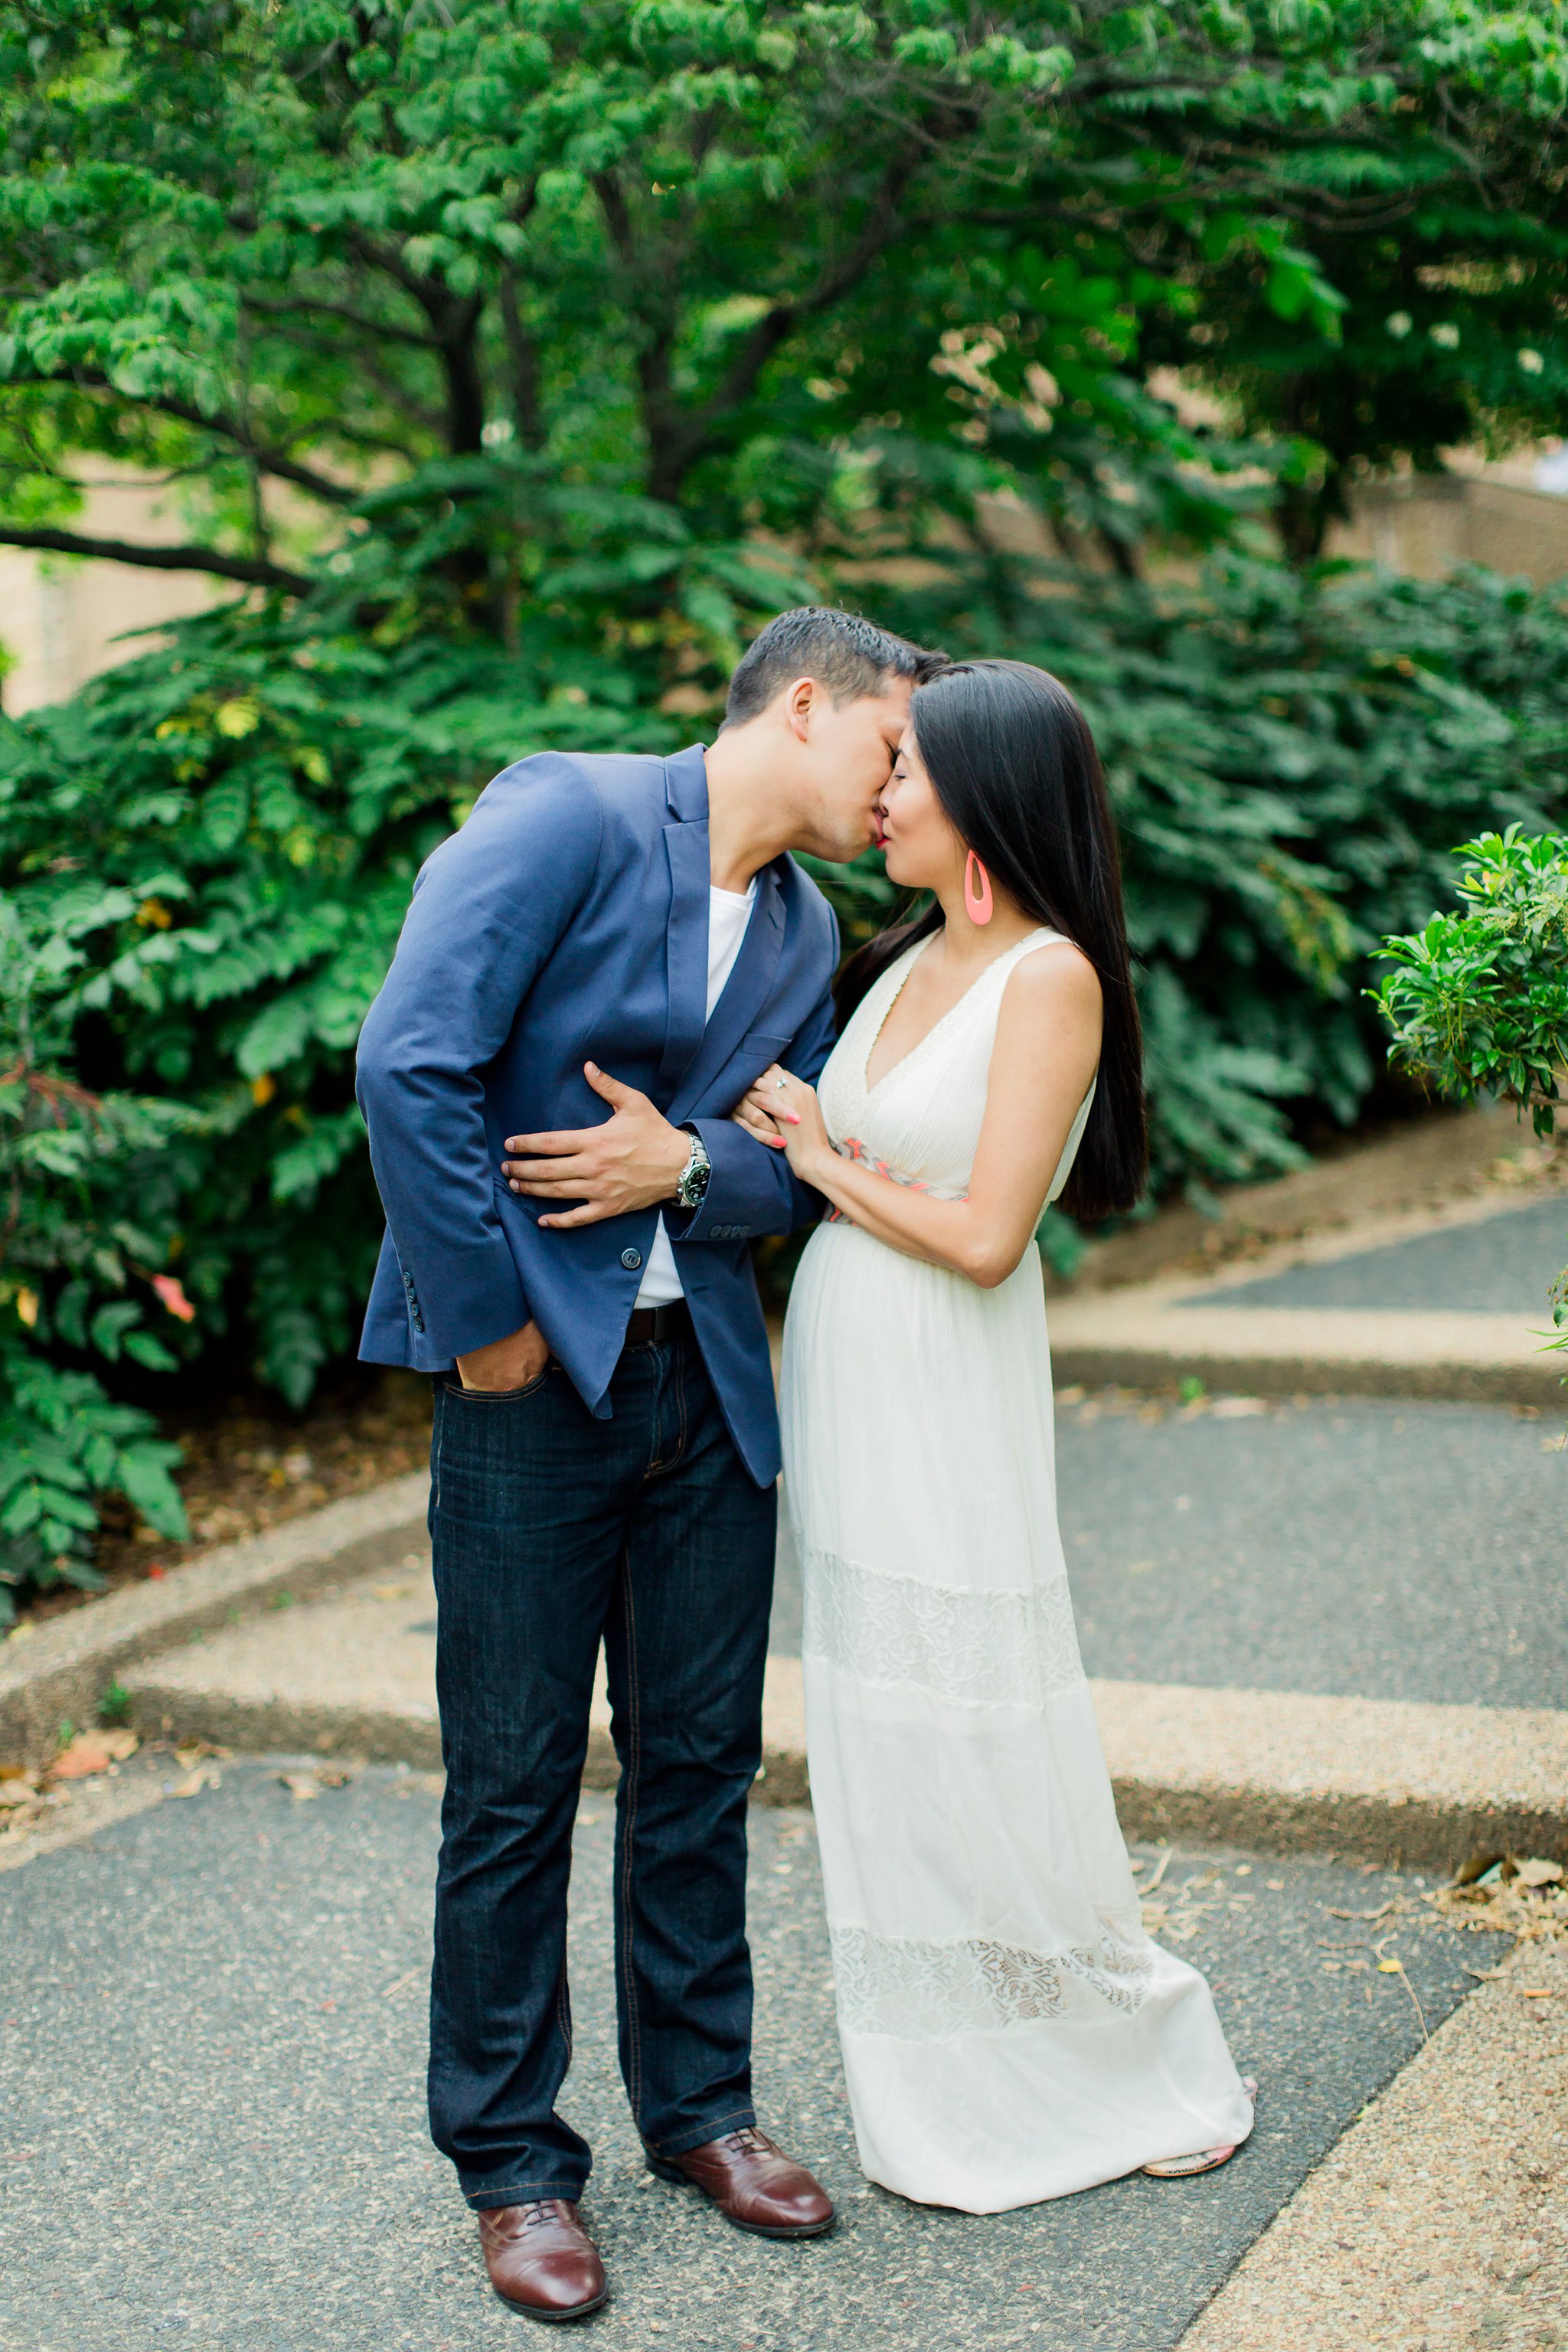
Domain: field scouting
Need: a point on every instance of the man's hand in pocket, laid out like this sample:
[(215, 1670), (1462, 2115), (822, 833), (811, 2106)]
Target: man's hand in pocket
[(508, 1363)]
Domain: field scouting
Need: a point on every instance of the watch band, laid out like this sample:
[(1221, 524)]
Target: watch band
[(693, 1186)]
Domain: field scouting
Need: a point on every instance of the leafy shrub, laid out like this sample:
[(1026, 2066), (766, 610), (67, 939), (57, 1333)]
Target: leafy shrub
[(1478, 1001), (73, 1269)]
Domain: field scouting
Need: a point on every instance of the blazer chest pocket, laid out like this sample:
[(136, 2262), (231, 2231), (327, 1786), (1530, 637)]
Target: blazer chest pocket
[(757, 1049)]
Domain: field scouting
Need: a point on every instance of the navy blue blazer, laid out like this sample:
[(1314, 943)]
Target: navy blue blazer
[(567, 922)]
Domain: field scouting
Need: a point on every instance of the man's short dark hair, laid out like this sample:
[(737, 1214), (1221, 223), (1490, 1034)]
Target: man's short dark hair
[(849, 656)]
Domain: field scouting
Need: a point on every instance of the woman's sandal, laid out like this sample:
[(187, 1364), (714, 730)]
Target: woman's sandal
[(1208, 2159)]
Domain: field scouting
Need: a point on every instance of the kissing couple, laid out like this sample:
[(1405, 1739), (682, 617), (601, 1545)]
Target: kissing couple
[(603, 1062)]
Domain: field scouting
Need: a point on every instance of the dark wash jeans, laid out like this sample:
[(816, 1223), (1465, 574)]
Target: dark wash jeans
[(552, 1528)]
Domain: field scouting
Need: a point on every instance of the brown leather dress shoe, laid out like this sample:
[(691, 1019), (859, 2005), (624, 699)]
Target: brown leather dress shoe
[(754, 2184), (541, 2259)]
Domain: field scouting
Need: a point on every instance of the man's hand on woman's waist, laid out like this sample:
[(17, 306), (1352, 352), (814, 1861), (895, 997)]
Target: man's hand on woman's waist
[(634, 1160)]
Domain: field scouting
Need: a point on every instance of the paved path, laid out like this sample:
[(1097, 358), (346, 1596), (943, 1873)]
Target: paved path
[(1505, 1262), (212, 2128)]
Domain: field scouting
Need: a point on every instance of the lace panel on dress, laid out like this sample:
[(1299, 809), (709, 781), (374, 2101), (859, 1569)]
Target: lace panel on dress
[(920, 1990), (977, 1649)]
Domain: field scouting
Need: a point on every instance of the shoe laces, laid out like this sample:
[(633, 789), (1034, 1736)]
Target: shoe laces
[(536, 2210), (748, 2141)]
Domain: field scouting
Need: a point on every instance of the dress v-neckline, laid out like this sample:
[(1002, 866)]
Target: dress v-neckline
[(868, 1086)]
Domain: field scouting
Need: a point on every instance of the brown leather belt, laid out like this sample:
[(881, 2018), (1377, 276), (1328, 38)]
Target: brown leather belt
[(648, 1323)]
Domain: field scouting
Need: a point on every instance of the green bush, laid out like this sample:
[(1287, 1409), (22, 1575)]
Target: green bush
[(1477, 1000), (74, 1257), (205, 856)]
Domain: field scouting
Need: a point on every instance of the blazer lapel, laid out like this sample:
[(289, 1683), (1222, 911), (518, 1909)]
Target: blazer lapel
[(685, 949), (745, 991)]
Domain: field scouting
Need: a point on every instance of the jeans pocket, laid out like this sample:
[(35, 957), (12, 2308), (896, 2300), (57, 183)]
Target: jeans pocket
[(497, 1396)]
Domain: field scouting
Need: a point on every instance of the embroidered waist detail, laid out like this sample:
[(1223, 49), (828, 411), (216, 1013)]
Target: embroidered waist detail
[(853, 1149)]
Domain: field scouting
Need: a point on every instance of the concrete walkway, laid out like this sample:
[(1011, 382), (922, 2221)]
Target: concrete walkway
[(211, 2073)]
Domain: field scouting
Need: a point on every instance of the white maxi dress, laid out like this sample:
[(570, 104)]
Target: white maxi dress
[(1009, 2032)]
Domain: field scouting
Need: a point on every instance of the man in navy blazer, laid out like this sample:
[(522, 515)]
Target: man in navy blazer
[(592, 973)]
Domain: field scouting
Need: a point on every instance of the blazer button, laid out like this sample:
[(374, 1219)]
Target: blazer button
[(631, 1258)]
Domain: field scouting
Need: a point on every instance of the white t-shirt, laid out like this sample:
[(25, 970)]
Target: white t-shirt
[(729, 912)]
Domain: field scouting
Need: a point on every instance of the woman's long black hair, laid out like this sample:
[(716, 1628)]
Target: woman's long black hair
[(1012, 761)]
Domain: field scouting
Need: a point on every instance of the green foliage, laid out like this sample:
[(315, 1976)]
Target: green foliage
[(1477, 1000), (74, 1247)]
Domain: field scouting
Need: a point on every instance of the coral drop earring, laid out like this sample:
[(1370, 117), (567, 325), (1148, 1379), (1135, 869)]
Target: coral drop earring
[(977, 901)]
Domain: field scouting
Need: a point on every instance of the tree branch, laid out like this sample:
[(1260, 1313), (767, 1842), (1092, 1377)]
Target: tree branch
[(454, 325), (381, 329), (229, 428), (522, 355), (459, 358), (689, 436), (253, 572)]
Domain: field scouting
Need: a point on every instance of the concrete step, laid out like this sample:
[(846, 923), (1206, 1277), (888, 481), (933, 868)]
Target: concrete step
[(1135, 1340), (353, 1673), (1441, 2217), (1389, 1780)]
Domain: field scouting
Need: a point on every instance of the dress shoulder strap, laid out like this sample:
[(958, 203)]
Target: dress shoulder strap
[(1041, 938)]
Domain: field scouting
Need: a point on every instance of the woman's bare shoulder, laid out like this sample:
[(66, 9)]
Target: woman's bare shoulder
[(1057, 976)]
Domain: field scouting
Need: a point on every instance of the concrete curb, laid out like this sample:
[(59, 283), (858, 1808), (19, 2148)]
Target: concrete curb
[(178, 1697), (60, 1672), (1149, 1337), (1398, 1781), (1274, 1771), (1392, 1781)]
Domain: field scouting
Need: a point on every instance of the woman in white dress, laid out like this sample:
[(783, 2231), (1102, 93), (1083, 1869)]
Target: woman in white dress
[(1009, 2032)]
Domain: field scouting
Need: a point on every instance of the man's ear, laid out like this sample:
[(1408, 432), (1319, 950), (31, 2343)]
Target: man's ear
[(799, 702)]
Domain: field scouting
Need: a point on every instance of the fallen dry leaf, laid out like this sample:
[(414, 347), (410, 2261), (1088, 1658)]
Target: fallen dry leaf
[(16, 1792), (1538, 1872), (204, 1777), (302, 1786), (89, 1752)]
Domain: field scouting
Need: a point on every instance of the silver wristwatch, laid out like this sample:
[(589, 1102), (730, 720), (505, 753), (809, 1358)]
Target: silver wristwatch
[(693, 1185)]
